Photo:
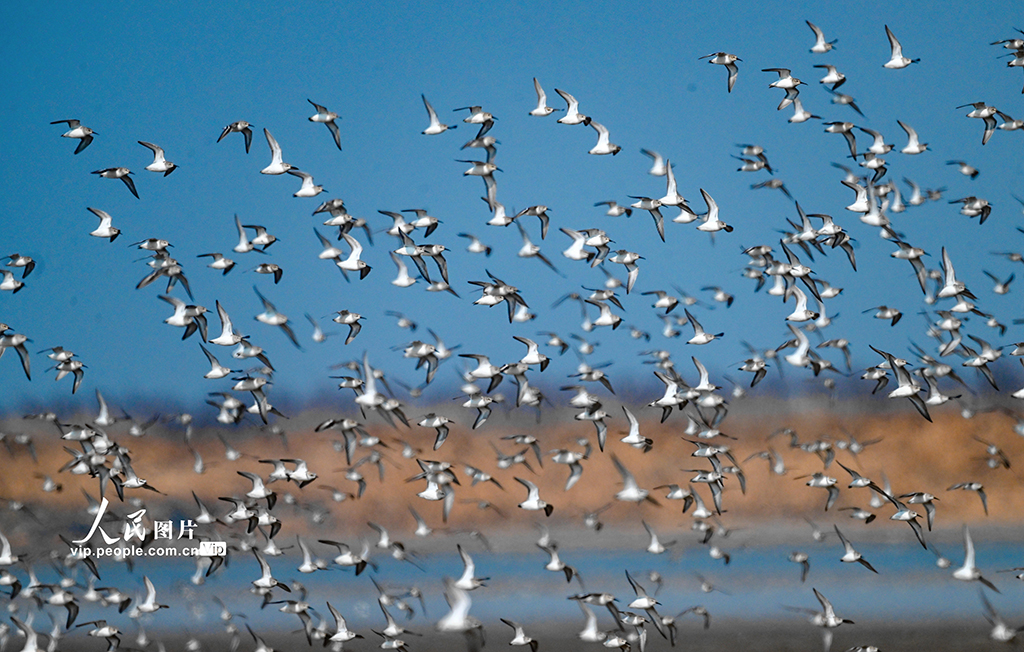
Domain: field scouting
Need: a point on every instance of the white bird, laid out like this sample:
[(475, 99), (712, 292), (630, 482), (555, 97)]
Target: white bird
[(77, 130), (603, 146), (106, 229), (16, 341), (1001, 632), (908, 385), (950, 286), (239, 127), (643, 600), (700, 336), (458, 619), (656, 547), (533, 500), (658, 166), (351, 319), (969, 571), (727, 60), (27, 263), (342, 634), (159, 164), (468, 581), (986, 113), (353, 262), (228, 336), (119, 173), (820, 44), (850, 555), (576, 250), (219, 261), (800, 114), (403, 280), (435, 126), (631, 491), (542, 108), (914, 146), (710, 222), (11, 284), (217, 370), (826, 619), (308, 189), (520, 637), (326, 117), (800, 313), (788, 83), (149, 605), (277, 164), (672, 196), (897, 60), (572, 113)]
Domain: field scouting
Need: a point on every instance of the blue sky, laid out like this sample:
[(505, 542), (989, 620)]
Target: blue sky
[(175, 75)]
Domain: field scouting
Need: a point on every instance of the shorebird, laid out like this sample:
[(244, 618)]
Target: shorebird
[(1001, 632), (277, 164), (786, 82), (219, 262), (914, 146), (897, 60), (969, 571), (520, 637), (435, 127), (159, 164), (908, 386), (727, 60), (976, 487), (342, 634), (987, 114), (326, 117), (800, 114), (9, 283), (458, 619), (909, 516), (542, 108), (228, 336), (26, 263), (440, 424), (239, 127), (802, 559), (533, 500), (308, 189), (572, 112), (710, 222), (656, 547), (820, 480), (272, 317), (631, 491), (149, 604), (820, 44), (468, 581), (603, 146), (700, 336), (658, 163), (826, 618), (614, 209), (266, 580), (119, 173), (77, 130), (964, 168), (350, 319), (270, 268)]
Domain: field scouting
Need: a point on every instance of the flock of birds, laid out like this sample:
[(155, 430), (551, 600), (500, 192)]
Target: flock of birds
[(926, 382)]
